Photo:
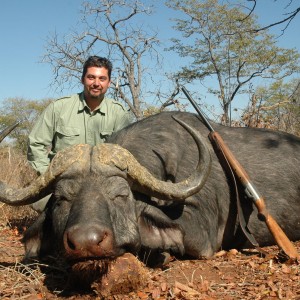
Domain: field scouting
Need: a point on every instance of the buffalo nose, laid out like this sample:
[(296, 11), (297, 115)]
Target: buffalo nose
[(88, 241)]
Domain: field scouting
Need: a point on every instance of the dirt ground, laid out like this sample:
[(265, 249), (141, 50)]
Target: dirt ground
[(228, 275)]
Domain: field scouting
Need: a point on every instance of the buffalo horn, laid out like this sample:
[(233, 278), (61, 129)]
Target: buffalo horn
[(7, 130), (115, 155), (77, 155)]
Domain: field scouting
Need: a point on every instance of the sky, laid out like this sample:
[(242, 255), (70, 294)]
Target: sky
[(25, 25)]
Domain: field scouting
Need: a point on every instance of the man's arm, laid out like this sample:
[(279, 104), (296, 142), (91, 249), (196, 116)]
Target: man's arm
[(40, 140), (123, 118)]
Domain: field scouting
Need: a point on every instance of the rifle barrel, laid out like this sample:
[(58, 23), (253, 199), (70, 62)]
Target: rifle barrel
[(187, 94)]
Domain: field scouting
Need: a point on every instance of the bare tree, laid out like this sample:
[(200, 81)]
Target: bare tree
[(114, 29), (287, 16)]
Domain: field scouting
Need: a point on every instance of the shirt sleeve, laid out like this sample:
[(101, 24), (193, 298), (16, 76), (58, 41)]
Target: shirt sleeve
[(40, 140), (123, 118)]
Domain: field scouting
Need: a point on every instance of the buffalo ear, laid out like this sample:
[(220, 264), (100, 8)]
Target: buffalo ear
[(157, 231), (36, 238), (32, 238)]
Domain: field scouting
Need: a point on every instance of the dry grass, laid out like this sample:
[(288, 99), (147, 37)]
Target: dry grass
[(15, 171), (14, 168), (17, 279), (20, 280)]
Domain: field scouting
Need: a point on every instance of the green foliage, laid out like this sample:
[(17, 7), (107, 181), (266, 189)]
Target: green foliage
[(25, 111), (221, 41), (276, 107)]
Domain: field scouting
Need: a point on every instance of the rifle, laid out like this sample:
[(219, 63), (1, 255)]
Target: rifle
[(251, 192)]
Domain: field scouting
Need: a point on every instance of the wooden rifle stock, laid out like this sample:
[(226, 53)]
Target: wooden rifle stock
[(278, 234)]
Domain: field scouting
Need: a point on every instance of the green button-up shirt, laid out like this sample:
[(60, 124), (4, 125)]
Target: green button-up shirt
[(69, 121)]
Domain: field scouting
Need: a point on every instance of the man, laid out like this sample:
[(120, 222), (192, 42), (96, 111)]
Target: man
[(85, 118)]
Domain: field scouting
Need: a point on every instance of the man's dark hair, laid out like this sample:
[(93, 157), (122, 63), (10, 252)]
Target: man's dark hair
[(97, 61)]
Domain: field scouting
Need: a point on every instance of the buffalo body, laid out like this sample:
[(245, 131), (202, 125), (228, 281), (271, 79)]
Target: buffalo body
[(98, 212)]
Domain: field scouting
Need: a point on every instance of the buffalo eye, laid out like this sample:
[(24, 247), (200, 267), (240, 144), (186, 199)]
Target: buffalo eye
[(59, 200), (121, 198), (119, 190)]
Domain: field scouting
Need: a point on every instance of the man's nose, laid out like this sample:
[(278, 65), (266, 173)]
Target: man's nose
[(97, 82)]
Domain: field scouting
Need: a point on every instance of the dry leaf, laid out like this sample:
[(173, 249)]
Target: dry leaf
[(285, 269)]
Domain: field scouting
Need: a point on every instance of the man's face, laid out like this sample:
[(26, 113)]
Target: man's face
[(96, 82)]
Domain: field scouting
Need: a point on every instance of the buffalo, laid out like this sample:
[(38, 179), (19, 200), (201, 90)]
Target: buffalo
[(158, 186)]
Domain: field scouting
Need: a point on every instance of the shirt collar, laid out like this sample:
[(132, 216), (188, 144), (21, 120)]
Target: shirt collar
[(103, 109)]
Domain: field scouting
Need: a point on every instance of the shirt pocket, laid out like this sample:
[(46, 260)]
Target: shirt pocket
[(104, 134), (66, 136)]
